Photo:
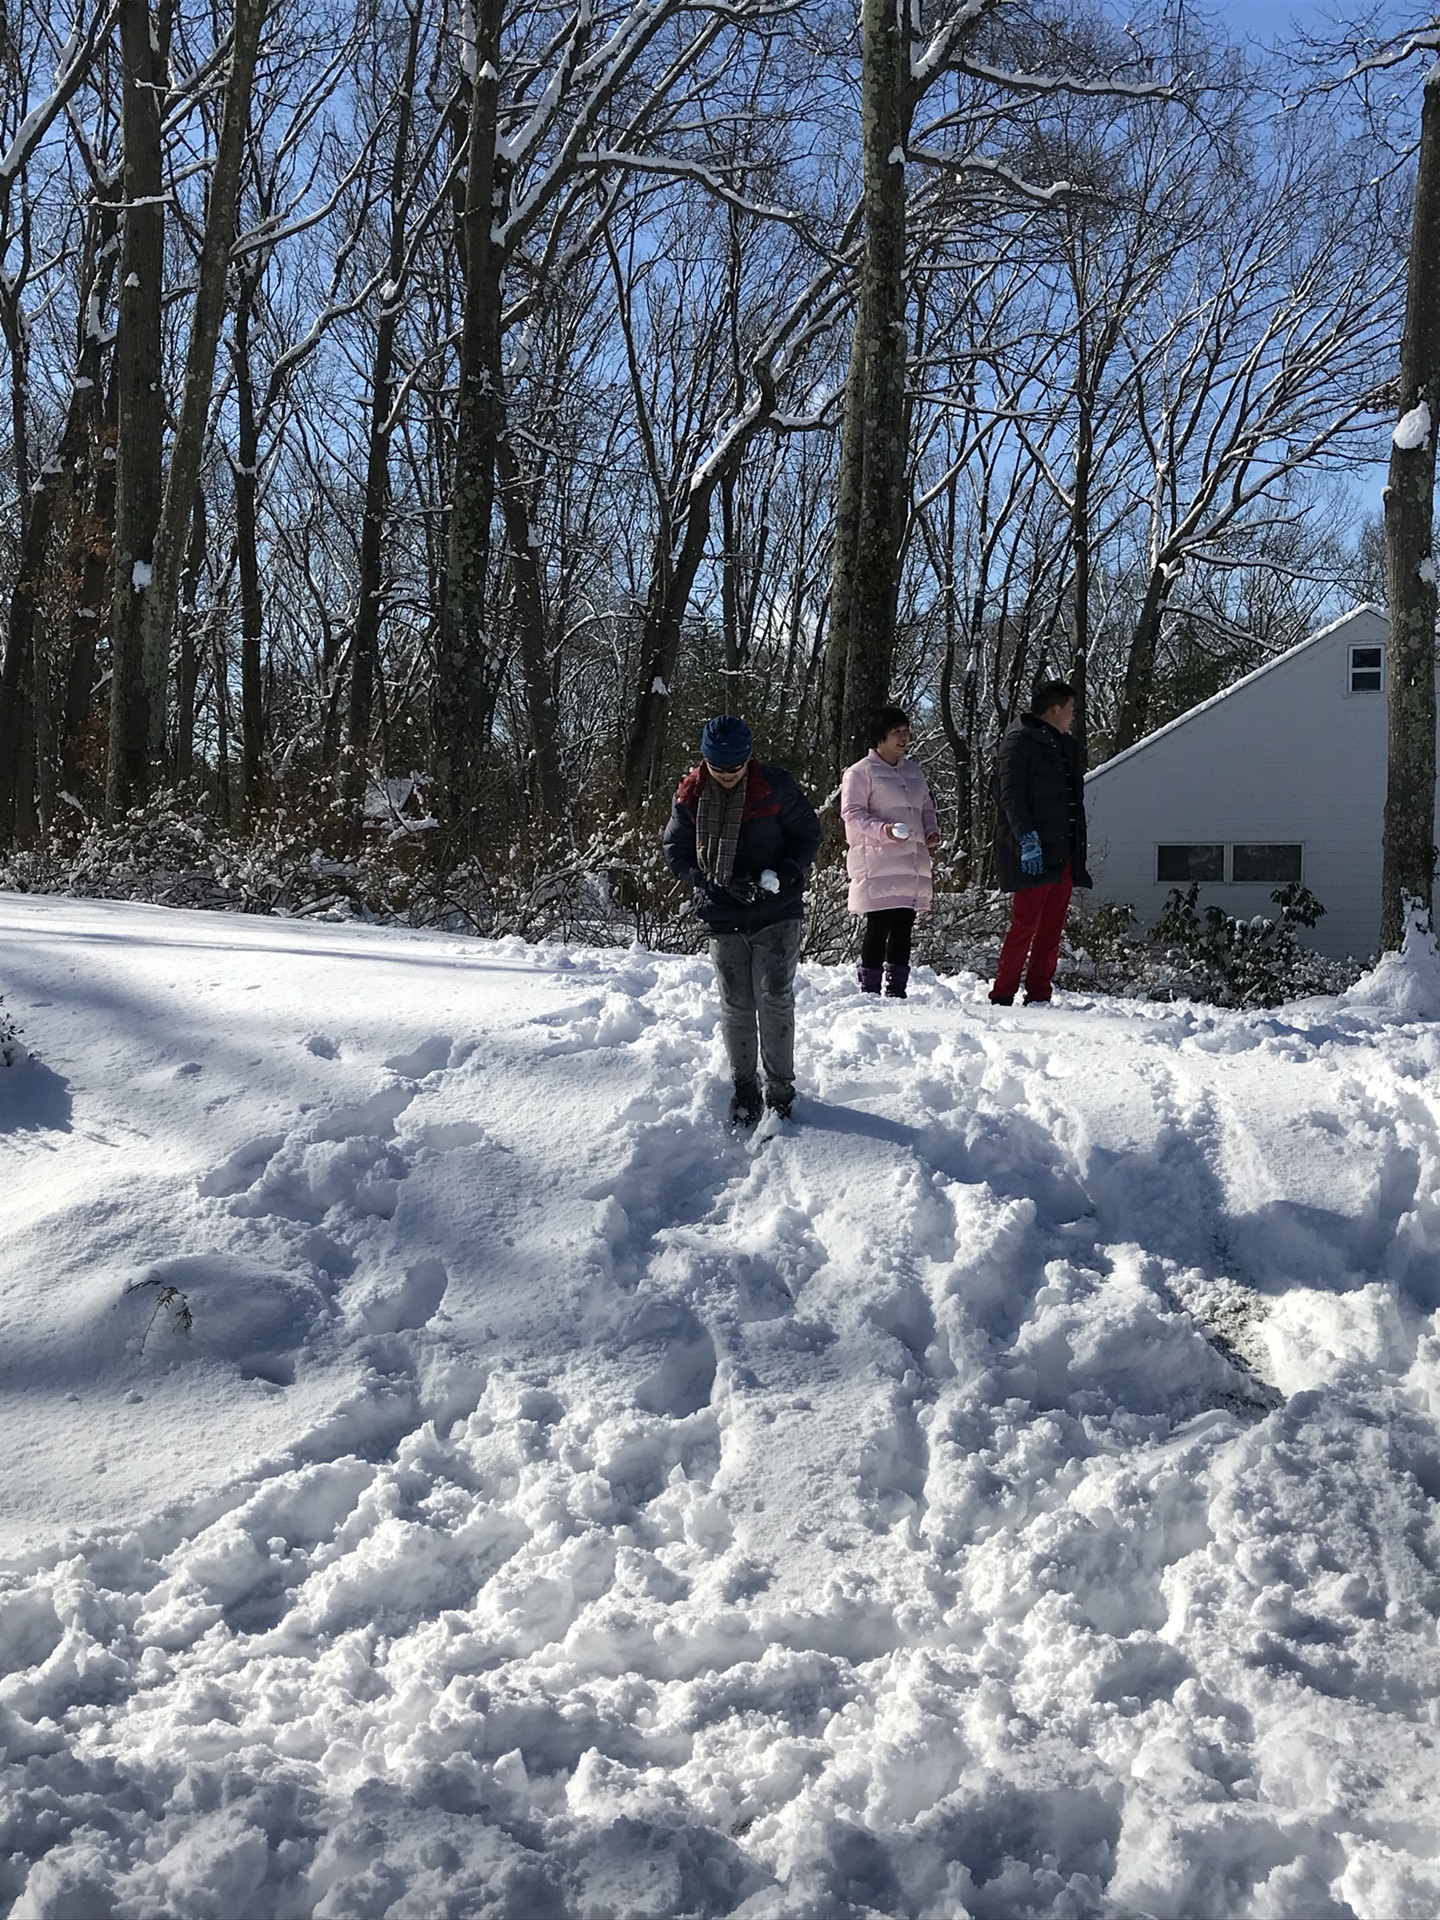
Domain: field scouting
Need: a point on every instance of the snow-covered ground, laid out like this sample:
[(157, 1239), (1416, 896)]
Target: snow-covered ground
[(1012, 1491)]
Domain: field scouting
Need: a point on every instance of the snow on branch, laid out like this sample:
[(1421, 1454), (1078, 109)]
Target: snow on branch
[(1393, 55), (519, 146), (1041, 83), (1027, 189), (70, 69), (608, 157)]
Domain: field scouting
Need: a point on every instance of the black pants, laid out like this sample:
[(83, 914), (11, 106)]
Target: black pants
[(887, 938)]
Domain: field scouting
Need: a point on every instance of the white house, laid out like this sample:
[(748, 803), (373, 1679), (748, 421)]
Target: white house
[(1281, 777)]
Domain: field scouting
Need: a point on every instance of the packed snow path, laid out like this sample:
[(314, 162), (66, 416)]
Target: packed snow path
[(1012, 1491)]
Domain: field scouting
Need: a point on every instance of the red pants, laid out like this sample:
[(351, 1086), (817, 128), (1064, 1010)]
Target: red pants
[(1037, 921)]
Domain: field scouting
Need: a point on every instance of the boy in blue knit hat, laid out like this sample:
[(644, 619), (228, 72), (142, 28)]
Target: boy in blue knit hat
[(742, 834)]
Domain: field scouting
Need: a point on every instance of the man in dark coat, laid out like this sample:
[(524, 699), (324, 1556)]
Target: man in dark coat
[(1040, 840), (742, 835)]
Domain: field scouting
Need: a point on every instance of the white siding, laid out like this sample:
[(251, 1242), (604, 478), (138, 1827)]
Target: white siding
[(1287, 754)]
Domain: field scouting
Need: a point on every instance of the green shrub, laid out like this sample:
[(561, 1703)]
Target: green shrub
[(1241, 963)]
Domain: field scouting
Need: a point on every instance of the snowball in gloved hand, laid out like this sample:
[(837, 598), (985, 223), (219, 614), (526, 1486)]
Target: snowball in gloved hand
[(899, 830), (769, 881)]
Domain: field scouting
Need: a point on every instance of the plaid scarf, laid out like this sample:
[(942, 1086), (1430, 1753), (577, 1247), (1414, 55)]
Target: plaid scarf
[(718, 815)]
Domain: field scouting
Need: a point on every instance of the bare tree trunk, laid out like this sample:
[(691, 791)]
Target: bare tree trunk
[(729, 576), (1408, 876), (1080, 551), (960, 732), (89, 555), (459, 690), (870, 496), (670, 589), (17, 676), (188, 673), (252, 695), (222, 726), (365, 641), (541, 717), (1138, 690), (172, 531), (140, 419), (86, 556)]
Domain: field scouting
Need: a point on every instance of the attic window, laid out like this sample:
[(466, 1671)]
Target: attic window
[(1267, 860), (1367, 666), (1205, 861)]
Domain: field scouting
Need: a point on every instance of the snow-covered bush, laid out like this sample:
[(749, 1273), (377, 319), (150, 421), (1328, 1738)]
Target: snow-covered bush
[(1187, 955), (962, 931), (1241, 963), (611, 887)]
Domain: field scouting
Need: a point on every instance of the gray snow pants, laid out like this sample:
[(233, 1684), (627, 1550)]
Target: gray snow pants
[(756, 976)]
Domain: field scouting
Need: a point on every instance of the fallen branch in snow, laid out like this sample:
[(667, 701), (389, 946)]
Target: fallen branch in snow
[(170, 1301)]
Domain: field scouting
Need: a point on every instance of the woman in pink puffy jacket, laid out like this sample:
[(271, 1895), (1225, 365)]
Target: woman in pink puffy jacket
[(891, 829)]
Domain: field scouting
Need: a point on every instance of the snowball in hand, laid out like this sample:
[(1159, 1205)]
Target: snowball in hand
[(899, 830), (769, 881)]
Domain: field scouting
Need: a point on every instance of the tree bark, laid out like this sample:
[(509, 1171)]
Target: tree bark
[(1408, 871), (171, 534), (139, 419), (365, 642), (1081, 549), (86, 558), (541, 716), (870, 502), (670, 588), (1138, 690), (188, 672), (247, 556), (17, 676), (459, 691)]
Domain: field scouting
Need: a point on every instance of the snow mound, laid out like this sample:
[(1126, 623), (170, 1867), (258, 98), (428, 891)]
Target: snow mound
[(1406, 984)]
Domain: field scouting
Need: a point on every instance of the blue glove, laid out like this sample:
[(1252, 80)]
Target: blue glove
[(1031, 858)]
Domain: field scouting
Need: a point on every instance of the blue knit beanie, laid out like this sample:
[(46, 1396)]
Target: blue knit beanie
[(726, 741)]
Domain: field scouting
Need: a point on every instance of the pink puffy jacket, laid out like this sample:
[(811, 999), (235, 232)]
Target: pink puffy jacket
[(883, 872)]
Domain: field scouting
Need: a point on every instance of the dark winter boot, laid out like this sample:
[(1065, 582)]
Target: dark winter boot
[(780, 1100), (1002, 999), (745, 1104), (869, 979), (897, 979)]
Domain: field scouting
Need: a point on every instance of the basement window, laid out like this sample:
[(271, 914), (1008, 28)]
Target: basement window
[(1367, 668), (1271, 861), (1203, 861)]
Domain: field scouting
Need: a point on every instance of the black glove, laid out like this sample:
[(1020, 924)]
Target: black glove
[(707, 894), (791, 876), (743, 889)]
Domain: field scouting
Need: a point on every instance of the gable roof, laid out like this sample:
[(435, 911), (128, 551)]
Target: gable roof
[(1228, 693)]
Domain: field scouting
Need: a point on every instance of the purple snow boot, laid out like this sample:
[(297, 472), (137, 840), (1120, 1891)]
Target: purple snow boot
[(896, 981), (869, 979)]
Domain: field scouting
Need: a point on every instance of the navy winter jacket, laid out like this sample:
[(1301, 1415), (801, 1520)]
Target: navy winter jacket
[(778, 829), (1037, 776)]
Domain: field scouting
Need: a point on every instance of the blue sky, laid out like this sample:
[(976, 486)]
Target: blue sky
[(1274, 20)]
